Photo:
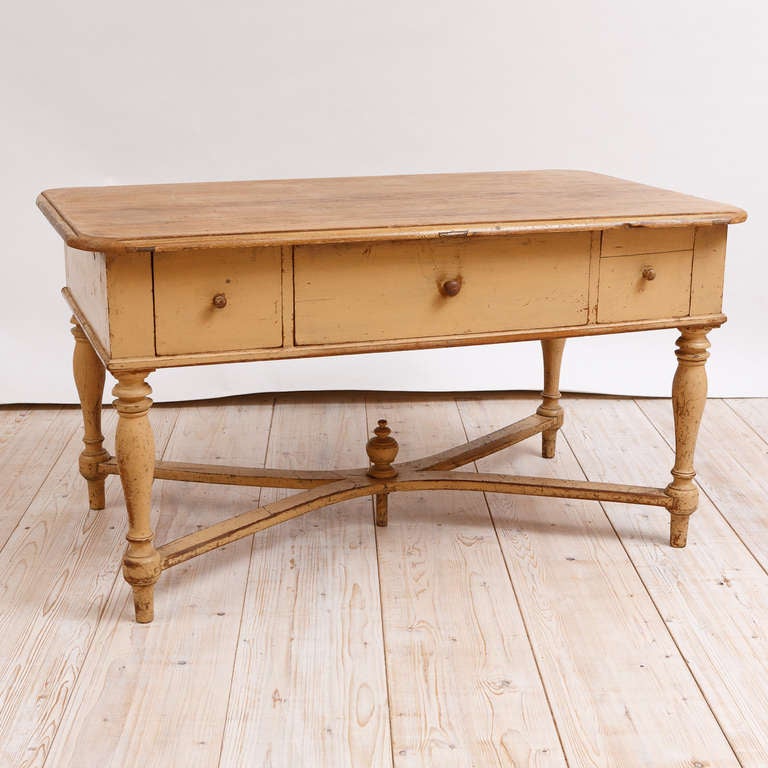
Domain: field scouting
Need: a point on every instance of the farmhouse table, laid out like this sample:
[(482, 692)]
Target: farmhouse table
[(196, 274)]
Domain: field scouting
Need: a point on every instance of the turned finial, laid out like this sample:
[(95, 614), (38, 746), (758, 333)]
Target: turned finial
[(382, 451)]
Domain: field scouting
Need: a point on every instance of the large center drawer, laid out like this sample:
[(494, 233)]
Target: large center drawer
[(399, 290)]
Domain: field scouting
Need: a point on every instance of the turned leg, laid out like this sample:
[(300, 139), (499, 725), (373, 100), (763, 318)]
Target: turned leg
[(382, 509), (135, 451), (689, 393), (382, 450), (552, 350), (89, 379)]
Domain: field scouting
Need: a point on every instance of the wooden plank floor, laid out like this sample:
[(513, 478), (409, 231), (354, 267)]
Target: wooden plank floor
[(476, 630)]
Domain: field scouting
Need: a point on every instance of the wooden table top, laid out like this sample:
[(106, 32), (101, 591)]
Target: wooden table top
[(291, 211)]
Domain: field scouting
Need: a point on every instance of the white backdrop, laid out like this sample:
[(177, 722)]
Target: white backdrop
[(668, 92)]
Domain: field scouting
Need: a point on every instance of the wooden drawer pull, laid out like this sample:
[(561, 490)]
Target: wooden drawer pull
[(220, 300), (450, 287), (649, 273)]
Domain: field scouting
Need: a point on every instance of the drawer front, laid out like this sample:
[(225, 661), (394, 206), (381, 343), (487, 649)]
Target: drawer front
[(249, 316), (625, 292), (636, 240), (395, 290)]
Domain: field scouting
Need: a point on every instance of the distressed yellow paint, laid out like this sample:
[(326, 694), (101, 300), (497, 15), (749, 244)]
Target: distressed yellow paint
[(708, 269), (186, 283), (625, 294), (633, 240), (87, 282), (349, 292)]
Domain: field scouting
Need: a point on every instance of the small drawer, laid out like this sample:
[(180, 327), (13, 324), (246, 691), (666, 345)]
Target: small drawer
[(218, 300), (646, 287), (400, 290), (635, 240)]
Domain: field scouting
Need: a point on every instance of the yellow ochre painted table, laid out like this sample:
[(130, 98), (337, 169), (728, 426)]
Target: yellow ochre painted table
[(194, 274)]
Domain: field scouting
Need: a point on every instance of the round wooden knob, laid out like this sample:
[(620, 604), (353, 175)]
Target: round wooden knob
[(220, 300), (450, 287), (649, 273)]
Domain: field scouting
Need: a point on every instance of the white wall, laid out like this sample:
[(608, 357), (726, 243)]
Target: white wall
[(668, 92)]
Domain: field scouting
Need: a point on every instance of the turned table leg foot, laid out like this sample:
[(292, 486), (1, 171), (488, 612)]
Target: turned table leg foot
[(382, 509), (89, 379), (689, 394), (135, 451), (678, 529), (552, 350)]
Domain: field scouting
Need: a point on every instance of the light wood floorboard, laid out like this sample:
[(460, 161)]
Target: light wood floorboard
[(754, 411), (56, 572), (463, 684), (731, 465), (711, 595), (511, 631), (621, 694), (309, 686), (30, 442), (173, 668)]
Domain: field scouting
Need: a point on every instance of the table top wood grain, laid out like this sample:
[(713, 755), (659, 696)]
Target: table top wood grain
[(292, 211)]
